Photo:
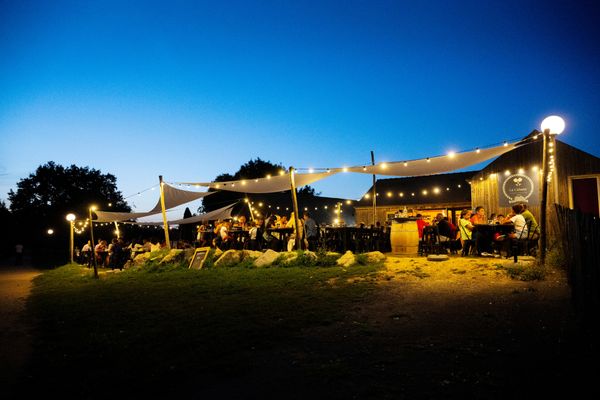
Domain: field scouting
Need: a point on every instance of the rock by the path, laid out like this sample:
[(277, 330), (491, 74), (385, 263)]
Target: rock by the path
[(375, 257), (437, 257), (347, 259), (174, 255), (229, 258), (266, 258), (251, 254), (141, 259)]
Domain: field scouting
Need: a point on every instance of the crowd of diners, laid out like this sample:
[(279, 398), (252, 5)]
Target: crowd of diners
[(476, 233), (273, 232)]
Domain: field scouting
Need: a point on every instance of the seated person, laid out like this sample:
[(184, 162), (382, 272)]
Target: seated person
[(479, 216), (226, 238), (421, 223), (446, 229), (273, 243), (254, 236), (518, 221), (530, 221), (482, 238), (500, 219)]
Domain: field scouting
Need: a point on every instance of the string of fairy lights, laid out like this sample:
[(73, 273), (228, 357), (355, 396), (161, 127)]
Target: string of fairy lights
[(260, 208)]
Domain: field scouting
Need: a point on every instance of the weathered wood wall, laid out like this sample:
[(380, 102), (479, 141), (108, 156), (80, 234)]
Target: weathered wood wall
[(569, 162)]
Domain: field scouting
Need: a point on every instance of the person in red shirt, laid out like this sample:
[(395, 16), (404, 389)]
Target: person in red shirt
[(421, 223), (479, 216)]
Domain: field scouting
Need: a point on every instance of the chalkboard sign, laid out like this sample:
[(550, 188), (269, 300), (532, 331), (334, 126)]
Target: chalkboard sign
[(199, 257)]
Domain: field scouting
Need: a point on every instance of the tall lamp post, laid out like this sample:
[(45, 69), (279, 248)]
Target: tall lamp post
[(552, 125), (93, 208), (71, 218)]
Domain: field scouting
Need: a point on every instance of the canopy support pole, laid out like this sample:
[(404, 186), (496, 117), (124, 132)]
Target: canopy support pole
[(295, 203), (249, 207), (543, 223), (164, 213), (374, 191)]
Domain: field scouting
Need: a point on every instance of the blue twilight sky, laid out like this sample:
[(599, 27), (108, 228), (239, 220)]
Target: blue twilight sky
[(192, 89)]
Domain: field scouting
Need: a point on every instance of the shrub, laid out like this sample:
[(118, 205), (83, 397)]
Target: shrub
[(522, 272), (362, 259), (325, 259)]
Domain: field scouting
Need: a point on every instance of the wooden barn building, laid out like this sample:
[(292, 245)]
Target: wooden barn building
[(575, 181), (427, 195), (514, 177)]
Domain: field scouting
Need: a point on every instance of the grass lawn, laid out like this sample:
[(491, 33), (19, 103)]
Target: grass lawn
[(180, 331), (464, 328)]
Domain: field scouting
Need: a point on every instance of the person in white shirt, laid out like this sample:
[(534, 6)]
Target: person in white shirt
[(518, 221)]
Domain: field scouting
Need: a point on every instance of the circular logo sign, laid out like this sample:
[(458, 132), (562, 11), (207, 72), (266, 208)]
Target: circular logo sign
[(518, 188)]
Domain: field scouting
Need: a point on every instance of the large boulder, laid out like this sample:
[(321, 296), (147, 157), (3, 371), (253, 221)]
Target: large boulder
[(141, 259), (346, 260), (375, 257), (174, 255), (251, 254), (229, 258), (287, 257), (267, 258)]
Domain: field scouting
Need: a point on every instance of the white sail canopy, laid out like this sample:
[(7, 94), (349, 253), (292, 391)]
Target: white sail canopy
[(173, 197), (279, 183), (434, 165), (221, 213), (109, 216)]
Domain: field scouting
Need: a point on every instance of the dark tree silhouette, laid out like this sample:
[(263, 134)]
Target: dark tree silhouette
[(7, 240), (187, 230), (43, 199), (251, 170)]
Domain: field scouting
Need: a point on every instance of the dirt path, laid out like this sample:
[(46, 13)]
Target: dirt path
[(457, 329), (15, 339)]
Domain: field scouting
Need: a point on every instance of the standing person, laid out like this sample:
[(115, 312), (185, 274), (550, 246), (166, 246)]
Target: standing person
[(465, 228), (311, 231), (19, 254), (87, 253), (292, 224)]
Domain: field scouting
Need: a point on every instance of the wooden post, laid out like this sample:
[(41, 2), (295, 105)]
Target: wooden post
[(71, 240), (93, 246), (250, 208), (164, 213), (374, 191), (295, 204), (543, 223), (555, 172)]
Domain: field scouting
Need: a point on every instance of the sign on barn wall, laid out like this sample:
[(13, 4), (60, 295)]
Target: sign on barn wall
[(519, 188)]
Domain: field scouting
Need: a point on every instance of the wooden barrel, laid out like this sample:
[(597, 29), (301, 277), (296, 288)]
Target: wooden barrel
[(404, 237)]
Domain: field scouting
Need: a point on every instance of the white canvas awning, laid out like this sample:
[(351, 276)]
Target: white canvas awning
[(109, 216), (279, 183), (434, 165), (173, 197), (221, 213)]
